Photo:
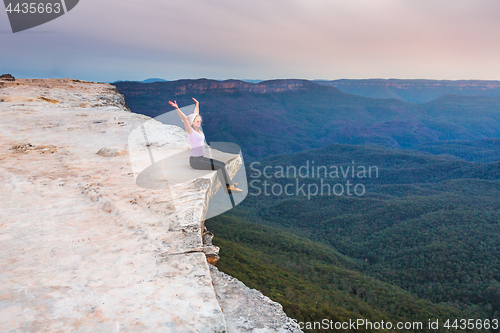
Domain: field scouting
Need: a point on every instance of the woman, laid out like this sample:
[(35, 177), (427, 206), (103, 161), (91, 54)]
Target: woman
[(197, 160)]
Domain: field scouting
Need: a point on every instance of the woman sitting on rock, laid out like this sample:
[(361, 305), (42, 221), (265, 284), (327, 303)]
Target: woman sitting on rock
[(197, 160)]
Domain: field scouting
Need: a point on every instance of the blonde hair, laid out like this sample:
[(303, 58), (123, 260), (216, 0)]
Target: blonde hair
[(195, 118)]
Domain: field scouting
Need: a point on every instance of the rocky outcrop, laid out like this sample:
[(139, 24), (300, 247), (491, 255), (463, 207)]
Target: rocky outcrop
[(7, 77), (247, 310), (83, 247)]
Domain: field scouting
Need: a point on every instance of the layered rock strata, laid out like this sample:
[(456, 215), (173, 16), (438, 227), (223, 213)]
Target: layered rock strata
[(83, 248)]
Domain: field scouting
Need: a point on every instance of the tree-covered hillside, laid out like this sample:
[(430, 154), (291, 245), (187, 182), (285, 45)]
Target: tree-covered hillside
[(427, 225)]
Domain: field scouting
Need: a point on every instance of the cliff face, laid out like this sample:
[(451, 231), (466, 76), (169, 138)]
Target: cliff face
[(83, 248), (201, 86)]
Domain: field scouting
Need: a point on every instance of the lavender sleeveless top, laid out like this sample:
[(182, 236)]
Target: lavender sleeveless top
[(197, 142)]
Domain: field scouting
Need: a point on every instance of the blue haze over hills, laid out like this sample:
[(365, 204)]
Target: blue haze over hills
[(414, 91)]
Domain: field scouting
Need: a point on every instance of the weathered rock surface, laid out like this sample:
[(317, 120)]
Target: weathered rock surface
[(83, 248), (247, 310)]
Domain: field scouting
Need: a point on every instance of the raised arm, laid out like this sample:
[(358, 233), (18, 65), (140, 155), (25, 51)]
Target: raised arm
[(197, 107), (185, 120)]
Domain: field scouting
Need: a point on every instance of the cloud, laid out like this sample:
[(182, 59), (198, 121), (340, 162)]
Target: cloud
[(269, 39)]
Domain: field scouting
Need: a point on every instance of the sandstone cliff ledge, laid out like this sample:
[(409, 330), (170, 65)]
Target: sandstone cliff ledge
[(82, 247)]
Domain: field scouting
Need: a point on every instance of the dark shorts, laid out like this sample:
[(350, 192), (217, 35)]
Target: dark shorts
[(205, 163)]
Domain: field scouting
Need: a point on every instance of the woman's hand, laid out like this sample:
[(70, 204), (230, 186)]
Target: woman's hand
[(174, 104), (194, 99)]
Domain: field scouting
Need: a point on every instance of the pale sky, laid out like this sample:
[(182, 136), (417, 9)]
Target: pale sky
[(111, 40)]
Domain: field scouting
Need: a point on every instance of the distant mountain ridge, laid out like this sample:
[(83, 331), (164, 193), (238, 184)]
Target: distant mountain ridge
[(203, 85), (155, 79), (414, 91), (285, 116), (182, 87), (150, 80)]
